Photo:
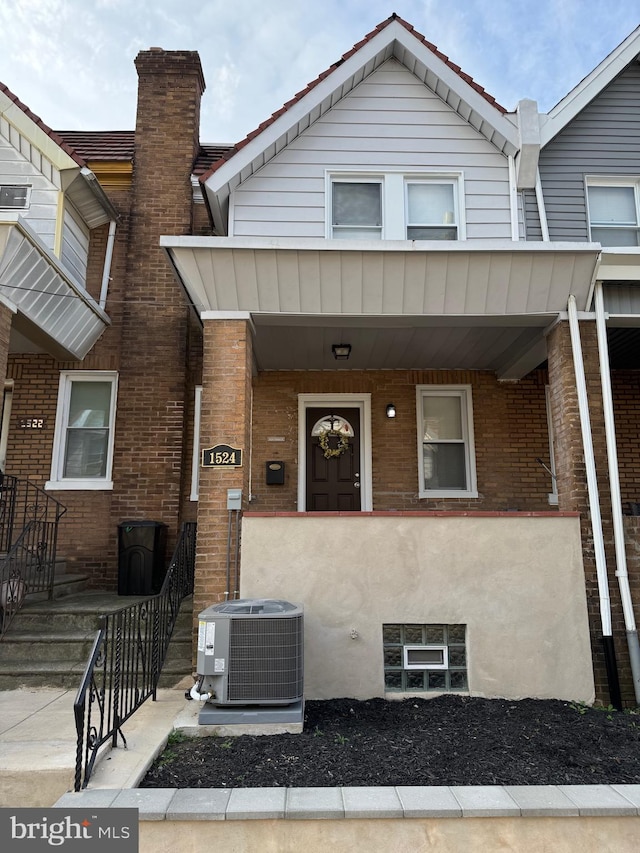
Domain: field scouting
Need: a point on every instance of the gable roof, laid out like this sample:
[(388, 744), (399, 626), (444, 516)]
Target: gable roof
[(590, 87), (393, 38)]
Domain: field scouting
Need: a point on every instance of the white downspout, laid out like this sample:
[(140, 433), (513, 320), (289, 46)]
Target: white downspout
[(592, 483), (614, 484), (542, 211), (108, 255), (513, 199)]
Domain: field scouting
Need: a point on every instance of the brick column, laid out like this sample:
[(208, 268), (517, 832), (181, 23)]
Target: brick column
[(225, 419), (572, 486)]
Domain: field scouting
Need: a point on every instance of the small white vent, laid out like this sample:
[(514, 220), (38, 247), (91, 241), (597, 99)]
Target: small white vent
[(426, 657)]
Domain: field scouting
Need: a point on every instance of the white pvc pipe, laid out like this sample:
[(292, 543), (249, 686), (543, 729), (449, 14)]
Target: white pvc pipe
[(513, 200), (592, 482), (106, 273), (614, 484), (542, 210)]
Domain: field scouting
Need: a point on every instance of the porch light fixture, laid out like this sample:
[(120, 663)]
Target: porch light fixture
[(341, 352), (391, 410)]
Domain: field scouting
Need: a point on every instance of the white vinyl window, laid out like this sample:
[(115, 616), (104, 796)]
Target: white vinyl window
[(356, 209), (431, 210), (14, 196), (83, 442), (446, 455), (613, 211), (396, 206)]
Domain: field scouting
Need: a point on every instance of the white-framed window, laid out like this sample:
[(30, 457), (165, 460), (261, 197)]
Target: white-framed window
[(614, 206), (422, 658), (356, 208), (14, 195), (83, 442), (446, 452), (396, 206)]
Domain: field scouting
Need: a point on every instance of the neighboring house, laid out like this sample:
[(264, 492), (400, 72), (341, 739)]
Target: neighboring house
[(387, 288)]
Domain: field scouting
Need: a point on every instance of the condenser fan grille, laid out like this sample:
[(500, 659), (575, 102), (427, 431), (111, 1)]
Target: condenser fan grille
[(265, 659)]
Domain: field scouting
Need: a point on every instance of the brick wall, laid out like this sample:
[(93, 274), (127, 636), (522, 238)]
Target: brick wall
[(509, 422)]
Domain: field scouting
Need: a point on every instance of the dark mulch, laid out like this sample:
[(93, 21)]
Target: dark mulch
[(448, 740)]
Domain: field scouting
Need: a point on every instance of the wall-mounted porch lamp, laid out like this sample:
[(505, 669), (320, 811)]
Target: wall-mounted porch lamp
[(341, 352), (391, 410)]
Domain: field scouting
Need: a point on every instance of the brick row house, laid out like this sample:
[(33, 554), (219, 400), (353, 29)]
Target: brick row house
[(396, 326)]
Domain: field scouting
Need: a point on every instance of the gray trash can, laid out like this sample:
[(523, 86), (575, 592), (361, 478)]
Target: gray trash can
[(142, 549)]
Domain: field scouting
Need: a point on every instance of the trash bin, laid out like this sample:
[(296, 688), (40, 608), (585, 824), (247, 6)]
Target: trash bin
[(141, 557)]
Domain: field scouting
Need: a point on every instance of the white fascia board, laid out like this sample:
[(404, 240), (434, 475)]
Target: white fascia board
[(339, 76), (580, 96), (316, 244), (36, 135)]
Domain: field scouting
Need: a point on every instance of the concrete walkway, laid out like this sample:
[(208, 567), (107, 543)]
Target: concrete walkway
[(38, 744)]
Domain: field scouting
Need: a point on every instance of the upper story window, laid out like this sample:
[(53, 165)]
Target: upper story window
[(613, 212), (14, 196), (396, 206), (446, 455), (356, 209)]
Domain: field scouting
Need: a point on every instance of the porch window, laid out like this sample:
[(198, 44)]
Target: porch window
[(446, 459), (83, 442), (613, 212), (422, 658), (356, 209)]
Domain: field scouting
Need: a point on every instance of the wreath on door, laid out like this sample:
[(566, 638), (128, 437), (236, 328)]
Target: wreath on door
[(339, 449)]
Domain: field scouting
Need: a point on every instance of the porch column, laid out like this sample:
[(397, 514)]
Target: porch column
[(225, 419), (572, 485)]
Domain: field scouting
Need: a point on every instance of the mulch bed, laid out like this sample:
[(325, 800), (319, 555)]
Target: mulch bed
[(447, 740)]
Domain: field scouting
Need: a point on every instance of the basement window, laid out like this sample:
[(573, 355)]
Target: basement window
[(424, 658), (14, 196)]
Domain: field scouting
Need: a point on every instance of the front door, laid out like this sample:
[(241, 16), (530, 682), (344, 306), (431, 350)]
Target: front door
[(333, 459)]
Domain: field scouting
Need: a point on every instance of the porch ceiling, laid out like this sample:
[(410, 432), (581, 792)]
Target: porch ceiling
[(400, 305)]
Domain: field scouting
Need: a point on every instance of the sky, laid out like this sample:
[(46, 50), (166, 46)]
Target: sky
[(72, 61)]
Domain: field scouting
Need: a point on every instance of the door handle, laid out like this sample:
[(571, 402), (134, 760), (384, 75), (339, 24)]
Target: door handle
[(357, 485)]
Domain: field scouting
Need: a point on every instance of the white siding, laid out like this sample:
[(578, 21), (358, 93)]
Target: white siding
[(22, 163), (75, 245), (390, 121)]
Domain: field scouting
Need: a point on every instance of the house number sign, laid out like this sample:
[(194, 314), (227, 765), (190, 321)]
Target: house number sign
[(222, 456), (31, 423)]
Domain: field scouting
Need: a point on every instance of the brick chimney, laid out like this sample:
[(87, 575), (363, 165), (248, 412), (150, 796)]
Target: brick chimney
[(155, 386)]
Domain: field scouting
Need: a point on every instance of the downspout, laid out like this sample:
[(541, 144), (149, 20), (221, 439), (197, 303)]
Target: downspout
[(542, 211), (513, 200), (594, 508), (108, 255), (614, 485)]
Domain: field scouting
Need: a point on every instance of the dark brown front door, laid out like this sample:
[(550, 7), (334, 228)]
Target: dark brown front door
[(333, 483)]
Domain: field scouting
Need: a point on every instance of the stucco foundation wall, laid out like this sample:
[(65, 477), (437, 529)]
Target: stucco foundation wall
[(472, 835), (516, 581)]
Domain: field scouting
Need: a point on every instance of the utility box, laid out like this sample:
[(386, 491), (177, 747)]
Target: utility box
[(142, 547)]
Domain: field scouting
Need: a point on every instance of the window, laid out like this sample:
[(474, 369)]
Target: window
[(356, 210), (613, 212), (14, 196), (83, 442), (424, 657), (431, 211), (396, 206), (446, 459)]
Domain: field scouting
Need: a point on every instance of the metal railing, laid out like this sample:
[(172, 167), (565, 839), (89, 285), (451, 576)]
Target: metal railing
[(29, 521), (127, 658)]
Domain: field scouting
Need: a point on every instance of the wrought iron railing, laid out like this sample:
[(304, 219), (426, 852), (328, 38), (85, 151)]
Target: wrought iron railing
[(127, 658), (28, 541)]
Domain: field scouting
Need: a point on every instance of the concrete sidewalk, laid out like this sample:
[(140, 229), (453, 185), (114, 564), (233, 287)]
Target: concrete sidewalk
[(38, 744)]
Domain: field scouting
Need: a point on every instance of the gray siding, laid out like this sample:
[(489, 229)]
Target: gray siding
[(391, 121), (603, 140)]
